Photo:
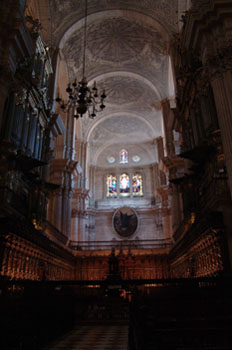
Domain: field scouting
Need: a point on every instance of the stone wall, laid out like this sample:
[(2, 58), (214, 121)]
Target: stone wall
[(149, 225)]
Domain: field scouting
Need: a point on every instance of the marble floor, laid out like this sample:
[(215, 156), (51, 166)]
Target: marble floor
[(93, 337)]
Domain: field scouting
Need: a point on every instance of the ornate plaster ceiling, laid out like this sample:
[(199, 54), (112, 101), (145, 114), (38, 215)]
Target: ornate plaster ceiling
[(146, 153), (133, 92), (112, 134), (118, 43), (63, 14), (127, 54), (119, 40), (117, 127)]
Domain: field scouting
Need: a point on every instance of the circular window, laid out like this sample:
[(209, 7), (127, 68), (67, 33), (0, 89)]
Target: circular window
[(111, 160), (136, 159), (125, 221)]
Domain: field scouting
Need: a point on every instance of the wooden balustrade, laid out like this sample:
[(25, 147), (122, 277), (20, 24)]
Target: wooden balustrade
[(23, 259), (204, 258)]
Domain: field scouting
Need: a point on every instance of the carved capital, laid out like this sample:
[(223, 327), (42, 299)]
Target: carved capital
[(65, 165), (78, 212), (80, 193)]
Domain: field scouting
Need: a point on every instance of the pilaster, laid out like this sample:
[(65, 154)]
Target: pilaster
[(164, 193), (221, 84), (61, 173)]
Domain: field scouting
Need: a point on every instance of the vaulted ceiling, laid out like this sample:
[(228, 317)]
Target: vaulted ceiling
[(127, 54)]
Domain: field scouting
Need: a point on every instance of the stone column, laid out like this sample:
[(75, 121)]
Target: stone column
[(80, 156), (79, 214), (83, 163), (222, 88), (221, 82), (168, 118), (81, 227), (70, 134), (4, 90), (55, 54), (58, 209), (69, 213), (65, 205), (166, 215), (62, 171), (74, 231), (55, 208), (175, 208), (91, 175), (160, 148), (156, 177), (160, 151)]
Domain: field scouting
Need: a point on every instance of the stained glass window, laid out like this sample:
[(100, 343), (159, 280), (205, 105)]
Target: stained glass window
[(137, 185), (123, 156), (111, 186), (124, 185)]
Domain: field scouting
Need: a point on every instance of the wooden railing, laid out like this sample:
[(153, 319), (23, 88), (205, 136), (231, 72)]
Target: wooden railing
[(125, 244)]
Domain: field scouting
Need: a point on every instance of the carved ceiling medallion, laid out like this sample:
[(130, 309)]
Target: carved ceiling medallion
[(121, 40)]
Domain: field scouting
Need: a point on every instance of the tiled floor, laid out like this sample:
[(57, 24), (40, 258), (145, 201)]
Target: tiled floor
[(93, 337)]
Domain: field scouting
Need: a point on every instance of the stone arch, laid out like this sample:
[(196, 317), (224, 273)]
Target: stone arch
[(137, 16), (115, 114)]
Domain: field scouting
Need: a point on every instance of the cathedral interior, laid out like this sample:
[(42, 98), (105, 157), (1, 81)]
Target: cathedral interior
[(116, 174)]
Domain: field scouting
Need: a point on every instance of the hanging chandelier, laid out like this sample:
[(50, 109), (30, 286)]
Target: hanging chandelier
[(80, 96)]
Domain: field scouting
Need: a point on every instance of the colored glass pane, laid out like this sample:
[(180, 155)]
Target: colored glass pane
[(111, 186), (124, 185), (123, 156), (137, 185)]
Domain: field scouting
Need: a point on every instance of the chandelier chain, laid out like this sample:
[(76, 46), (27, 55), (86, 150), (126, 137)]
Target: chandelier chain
[(80, 96), (85, 37)]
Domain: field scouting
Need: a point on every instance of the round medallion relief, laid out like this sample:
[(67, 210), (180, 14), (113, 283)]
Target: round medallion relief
[(125, 221)]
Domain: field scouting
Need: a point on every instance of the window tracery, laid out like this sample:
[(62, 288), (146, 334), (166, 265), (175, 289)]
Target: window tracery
[(123, 156), (124, 185), (137, 185), (111, 186)]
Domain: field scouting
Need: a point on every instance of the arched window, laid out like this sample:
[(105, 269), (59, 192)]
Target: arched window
[(124, 185), (123, 156), (111, 184), (137, 185)]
